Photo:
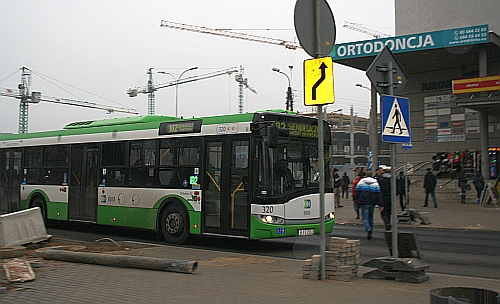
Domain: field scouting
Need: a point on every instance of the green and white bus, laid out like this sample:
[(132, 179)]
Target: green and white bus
[(252, 175)]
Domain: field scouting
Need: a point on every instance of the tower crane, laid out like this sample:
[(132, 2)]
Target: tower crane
[(243, 83), (225, 33), (360, 28), (23, 94), (151, 88)]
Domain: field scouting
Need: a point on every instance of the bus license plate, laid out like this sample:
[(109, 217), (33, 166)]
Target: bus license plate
[(305, 232)]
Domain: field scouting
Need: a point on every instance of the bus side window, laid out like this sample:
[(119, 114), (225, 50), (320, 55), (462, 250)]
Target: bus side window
[(176, 178), (135, 154), (189, 153), (140, 177), (115, 177), (166, 177), (55, 176), (32, 176)]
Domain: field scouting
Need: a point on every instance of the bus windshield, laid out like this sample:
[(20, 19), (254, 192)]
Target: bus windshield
[(290, 169)]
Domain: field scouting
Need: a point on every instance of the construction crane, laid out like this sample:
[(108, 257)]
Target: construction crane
[(243, 83), (151, 88), (23, 94), (225, 33), (360, 28)]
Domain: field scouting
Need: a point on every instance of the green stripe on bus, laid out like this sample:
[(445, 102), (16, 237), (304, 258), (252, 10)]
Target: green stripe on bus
[(127, 216), (57, 211), (195, 222)]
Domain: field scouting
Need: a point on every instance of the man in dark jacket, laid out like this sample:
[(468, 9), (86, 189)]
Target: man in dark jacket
[(337, 182), (478, 181), (384, 181), (462, 184), (429, 186), (368, 195), (401, 188), (345, 185)]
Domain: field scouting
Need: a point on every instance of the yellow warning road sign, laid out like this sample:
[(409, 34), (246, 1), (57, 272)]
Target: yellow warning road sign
[(318, 81)]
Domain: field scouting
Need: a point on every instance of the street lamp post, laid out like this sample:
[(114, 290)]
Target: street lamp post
[(341, 118), (351, 132), (177, 90), (351, 136), (171, 75), (289, 96), (373, 125)]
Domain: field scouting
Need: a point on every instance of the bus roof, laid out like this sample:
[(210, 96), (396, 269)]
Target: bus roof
[(132, 123)]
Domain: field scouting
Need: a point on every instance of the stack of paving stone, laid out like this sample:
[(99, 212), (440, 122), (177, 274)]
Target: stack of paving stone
[(342, 261)]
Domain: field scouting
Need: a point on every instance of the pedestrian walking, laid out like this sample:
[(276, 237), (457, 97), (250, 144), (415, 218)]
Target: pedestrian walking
[(478, 182), (355, 203), (430, 186), (384, 182), (401, 190), (368, 195), (337, 182), (462, 184), (345, 185)]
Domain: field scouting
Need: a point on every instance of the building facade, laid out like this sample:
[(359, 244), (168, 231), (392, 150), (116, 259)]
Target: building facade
[(437, 43)]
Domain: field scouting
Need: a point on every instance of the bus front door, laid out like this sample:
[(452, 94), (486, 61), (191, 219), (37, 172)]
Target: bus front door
[(82, 205), (225, 199)]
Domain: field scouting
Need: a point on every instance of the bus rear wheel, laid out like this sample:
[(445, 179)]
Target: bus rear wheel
[(174, 223), (40, 203)]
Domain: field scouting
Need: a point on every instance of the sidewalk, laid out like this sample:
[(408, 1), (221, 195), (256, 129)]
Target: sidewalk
[(221, 278), (450, 213), (237, 278)]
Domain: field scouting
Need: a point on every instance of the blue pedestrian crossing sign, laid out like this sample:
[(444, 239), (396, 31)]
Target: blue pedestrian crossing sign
[(395, 119)]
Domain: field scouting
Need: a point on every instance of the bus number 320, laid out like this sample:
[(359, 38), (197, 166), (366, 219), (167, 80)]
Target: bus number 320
[(267, 209)]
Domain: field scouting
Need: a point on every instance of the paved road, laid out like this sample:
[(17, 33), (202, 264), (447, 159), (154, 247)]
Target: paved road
[(447, 251)]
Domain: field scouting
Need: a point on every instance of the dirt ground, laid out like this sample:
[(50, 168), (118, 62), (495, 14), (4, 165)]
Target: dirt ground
[(105, 246)]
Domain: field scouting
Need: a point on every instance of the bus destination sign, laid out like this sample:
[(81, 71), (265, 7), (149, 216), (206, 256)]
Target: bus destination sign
[(180, 127), (299, 129)]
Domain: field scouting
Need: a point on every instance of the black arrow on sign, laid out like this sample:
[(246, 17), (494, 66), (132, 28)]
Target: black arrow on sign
[(320, 80)]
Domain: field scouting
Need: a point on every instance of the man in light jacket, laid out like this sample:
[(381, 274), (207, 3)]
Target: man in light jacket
[(368, 195)]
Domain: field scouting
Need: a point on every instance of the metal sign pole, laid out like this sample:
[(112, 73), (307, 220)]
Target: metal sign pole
[(321, 151), (374, 127), (321, 157), (394, 217), (407, 204), (321, 42)]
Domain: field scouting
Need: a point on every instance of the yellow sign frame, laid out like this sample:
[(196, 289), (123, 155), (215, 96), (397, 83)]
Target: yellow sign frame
[(318, 81)]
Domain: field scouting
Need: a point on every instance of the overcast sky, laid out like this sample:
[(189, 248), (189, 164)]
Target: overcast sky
[(95, 50)]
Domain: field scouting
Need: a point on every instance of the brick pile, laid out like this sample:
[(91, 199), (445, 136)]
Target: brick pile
[(342, 261)]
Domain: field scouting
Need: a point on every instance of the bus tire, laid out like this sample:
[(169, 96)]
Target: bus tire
[(39, 202), (174, 223)]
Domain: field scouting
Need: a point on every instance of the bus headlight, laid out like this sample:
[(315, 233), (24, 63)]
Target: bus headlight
[(270, 219)]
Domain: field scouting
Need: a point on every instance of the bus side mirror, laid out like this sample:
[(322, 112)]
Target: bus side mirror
[(272, 136)]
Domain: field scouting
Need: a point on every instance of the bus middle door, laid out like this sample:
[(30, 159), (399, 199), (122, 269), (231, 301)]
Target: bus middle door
[(226, 204), (84, 178)]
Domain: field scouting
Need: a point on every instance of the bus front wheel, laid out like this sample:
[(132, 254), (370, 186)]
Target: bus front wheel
[(174, 223)]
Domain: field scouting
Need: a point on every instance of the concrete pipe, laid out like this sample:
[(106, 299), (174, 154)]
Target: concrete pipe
[(119, 260)]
